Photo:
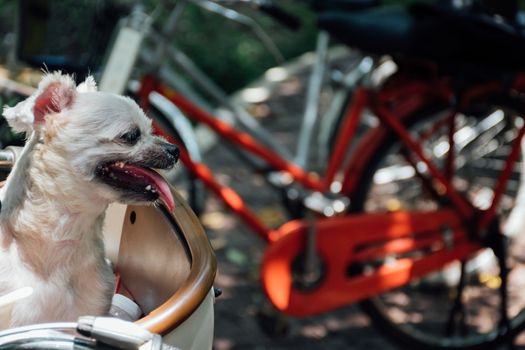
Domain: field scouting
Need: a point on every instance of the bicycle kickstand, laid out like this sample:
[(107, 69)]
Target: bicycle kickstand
[(498, 242), (501, 253), (457, 313)]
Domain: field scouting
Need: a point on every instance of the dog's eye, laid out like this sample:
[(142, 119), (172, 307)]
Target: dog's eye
[(131, 137)]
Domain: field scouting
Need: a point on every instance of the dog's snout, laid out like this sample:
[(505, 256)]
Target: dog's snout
[(172, 151), (161, 155)]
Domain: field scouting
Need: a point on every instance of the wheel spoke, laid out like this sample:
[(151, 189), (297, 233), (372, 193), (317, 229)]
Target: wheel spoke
[(457, 313), (476, 302)]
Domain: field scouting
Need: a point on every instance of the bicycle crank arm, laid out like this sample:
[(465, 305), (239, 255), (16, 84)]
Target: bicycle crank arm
[(361, 256)]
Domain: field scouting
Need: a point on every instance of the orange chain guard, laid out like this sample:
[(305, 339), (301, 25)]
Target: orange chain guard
[(355, 240)]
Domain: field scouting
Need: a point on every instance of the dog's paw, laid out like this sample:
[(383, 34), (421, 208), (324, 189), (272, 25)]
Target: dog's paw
[(20, 117), (54, 93)]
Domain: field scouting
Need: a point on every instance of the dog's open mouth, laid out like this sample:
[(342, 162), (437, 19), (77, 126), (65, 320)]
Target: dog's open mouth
[(137, 181)]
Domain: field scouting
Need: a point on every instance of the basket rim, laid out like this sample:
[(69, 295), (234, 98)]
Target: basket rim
[(185, 301)]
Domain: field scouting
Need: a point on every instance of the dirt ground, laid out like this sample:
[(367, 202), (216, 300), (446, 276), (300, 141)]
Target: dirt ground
[(238, 309), (239, 251)]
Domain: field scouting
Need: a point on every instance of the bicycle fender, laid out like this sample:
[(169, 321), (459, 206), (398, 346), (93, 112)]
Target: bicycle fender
[(173, 115)]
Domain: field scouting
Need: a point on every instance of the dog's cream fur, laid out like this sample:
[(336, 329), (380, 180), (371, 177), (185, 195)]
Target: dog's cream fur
[(53, 205)]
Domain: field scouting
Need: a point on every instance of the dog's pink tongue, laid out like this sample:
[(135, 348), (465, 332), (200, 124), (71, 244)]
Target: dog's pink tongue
[(157, 182)]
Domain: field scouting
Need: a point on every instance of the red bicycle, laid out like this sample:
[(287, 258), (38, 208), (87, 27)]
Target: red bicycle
[(430, 186)]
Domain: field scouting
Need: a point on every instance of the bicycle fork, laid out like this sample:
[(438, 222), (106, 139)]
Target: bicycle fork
[(498, 242)]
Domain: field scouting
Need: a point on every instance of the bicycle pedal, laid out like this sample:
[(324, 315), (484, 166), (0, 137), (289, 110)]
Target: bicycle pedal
[(280, 179)]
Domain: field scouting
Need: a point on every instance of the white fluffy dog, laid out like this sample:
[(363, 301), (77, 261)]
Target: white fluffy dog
[(86, 149)]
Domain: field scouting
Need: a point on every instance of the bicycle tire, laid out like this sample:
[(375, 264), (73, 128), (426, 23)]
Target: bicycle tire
[(376, 308)]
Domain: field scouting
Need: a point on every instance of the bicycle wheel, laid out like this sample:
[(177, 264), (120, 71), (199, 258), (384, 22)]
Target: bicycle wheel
[(422, 314)]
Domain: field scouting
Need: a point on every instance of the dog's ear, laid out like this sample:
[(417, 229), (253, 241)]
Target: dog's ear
[(55, 93), (89, 85)]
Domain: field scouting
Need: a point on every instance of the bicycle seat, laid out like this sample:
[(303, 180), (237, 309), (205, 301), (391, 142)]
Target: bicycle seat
[(344, 5), (451, 37)]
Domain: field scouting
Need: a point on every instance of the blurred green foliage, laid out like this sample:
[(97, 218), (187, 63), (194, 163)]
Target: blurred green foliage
[(231, 54)]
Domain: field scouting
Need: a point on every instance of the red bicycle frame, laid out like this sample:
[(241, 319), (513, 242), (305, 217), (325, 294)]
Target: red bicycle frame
[(380, 234), (409, 97)]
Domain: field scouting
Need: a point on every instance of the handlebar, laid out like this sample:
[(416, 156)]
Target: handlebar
[(100, 332), (216, 6), (8, 156), (270, 8), (344, 5), (287, 19)]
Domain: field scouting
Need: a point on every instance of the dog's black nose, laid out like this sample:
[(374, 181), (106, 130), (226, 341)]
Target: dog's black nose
[(172, 151)]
